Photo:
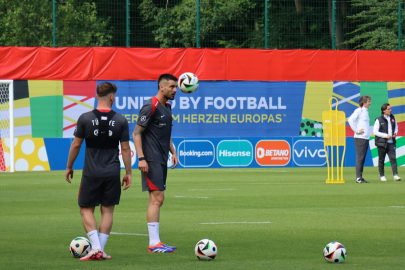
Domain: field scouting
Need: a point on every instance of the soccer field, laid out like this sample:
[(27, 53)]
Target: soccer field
[(266, 218)]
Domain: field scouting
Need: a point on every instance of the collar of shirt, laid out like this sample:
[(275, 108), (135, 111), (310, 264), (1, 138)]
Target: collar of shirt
[(387, 117)]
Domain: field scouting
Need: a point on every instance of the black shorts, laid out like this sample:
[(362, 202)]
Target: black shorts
[(155, 179), (99, 190)]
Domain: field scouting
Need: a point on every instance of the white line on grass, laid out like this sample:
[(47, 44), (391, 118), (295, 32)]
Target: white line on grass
[(213, 189), (141, 234), (192, 197), (397, 206), (242, 222)]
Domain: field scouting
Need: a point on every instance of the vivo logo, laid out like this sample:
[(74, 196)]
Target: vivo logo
[(309, 153)]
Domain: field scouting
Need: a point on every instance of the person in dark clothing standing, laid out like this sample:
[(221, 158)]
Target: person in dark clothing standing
[(103, 129), (152, 139), (385, 131)]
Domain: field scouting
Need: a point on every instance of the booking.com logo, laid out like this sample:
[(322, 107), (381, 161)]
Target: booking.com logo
[(196, 153)]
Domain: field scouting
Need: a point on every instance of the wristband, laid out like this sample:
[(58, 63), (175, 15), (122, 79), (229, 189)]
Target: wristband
[(141, 158)]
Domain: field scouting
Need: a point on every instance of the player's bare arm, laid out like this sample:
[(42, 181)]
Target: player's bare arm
[(73, 153), (126, 157), (175, 160), (142, 165)]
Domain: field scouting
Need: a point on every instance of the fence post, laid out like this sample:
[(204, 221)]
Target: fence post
[(127, 28), (333, 25), (198, 25), (54, 23), (266, 24), (400, 26)]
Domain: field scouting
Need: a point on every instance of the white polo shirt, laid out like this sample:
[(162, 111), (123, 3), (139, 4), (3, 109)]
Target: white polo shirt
[(360, 120)]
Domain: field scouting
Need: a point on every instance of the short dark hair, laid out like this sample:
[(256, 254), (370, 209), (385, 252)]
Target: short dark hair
[(384, 107), (106, 88), (166, 77), (363, 99)]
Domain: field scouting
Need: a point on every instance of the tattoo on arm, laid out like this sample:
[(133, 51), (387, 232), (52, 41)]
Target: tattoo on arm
[(138, 130)]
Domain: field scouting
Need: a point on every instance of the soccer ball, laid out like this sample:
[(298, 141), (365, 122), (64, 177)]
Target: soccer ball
[(80, 247), (206, 250), (188, 82), (334, 252)]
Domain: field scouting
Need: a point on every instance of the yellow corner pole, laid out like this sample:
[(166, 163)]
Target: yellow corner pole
[(334, 135)]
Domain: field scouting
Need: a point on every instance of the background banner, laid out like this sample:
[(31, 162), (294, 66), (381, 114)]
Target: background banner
[(253, 107)]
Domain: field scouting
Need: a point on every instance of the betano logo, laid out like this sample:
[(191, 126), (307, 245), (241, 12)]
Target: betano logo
[(273, 153)]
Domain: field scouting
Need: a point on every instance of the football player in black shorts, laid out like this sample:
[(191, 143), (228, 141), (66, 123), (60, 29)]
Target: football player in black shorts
[(152, 139), (103, 129)]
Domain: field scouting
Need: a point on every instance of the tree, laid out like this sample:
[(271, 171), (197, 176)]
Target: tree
[(240, 23), (340, 22), (377, 25), (298, 24), (30, 23), (175, 25)]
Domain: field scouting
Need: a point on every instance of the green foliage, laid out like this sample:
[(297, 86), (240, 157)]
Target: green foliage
[(377, 25), (238, 24), (285, 24), (30, 23), (176, 25)]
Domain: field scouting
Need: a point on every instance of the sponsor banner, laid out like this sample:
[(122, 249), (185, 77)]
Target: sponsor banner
[(222, 108), (235, 153), (206, 153), (309, 153), (196, 153), (273, 153)]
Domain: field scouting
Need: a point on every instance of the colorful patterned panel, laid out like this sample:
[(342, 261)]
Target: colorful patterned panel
[(46, 103), (396, 98), (379, 96), (348, 94), (22, 110), (30, 155), (310, 128), (4, 157), (316, 100), (78, 98), (47, 116), (42, 88)]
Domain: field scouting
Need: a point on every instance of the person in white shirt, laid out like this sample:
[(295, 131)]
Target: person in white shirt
[(359, 123), (385, 131)]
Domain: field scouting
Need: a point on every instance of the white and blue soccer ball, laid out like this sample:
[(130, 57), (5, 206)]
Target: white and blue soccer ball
[(206, 250), (334, 252), (188, 82), (80, 247)]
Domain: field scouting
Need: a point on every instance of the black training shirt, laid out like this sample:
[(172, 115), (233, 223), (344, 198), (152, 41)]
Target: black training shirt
[(156, 138), (101, 162)]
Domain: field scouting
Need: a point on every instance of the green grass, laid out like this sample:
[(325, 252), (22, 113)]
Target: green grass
[(39, 217)]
